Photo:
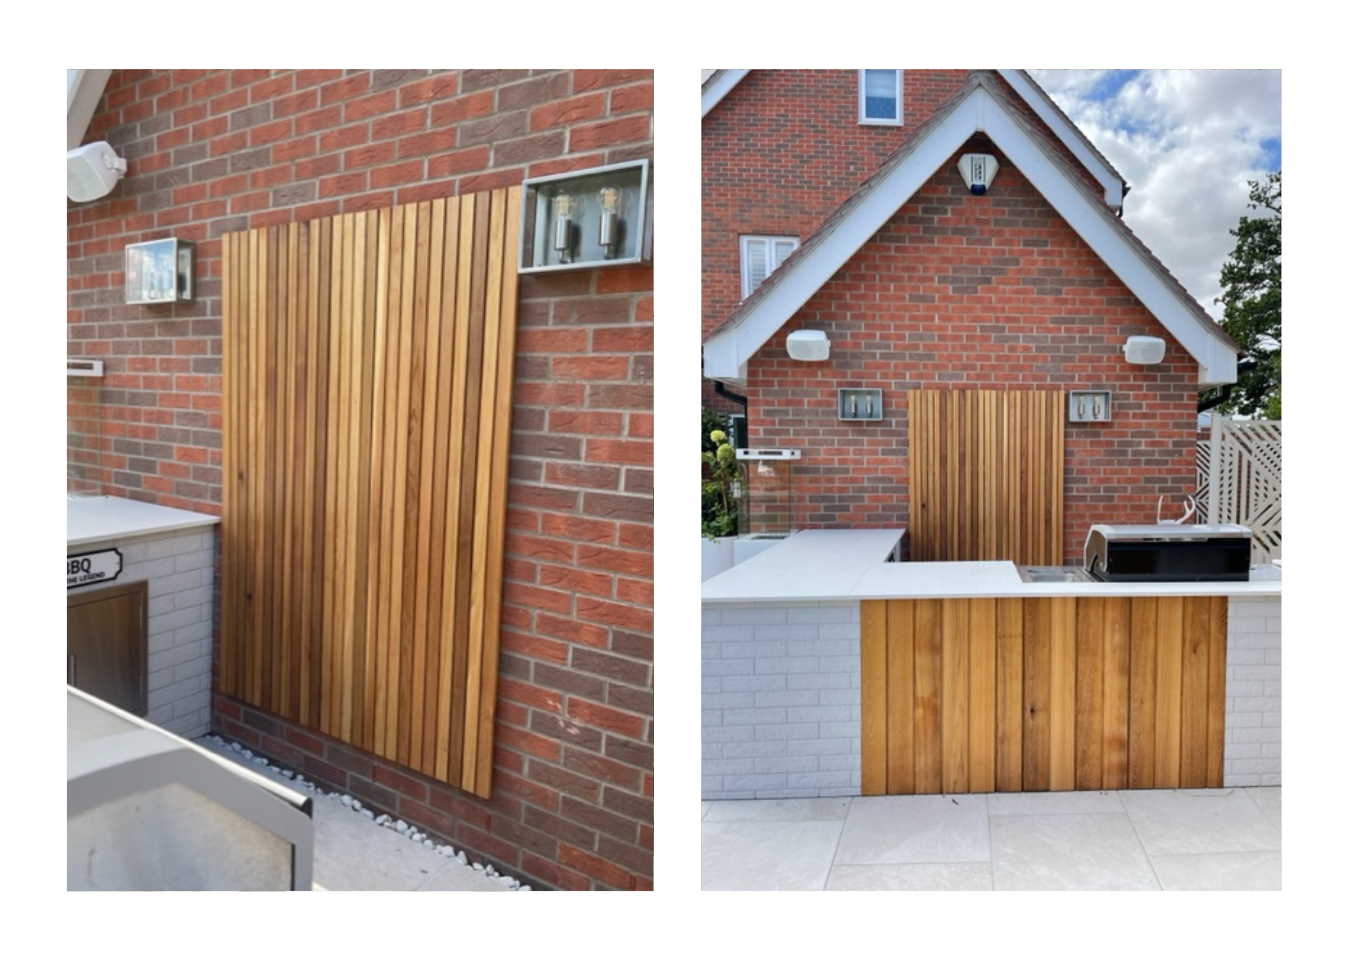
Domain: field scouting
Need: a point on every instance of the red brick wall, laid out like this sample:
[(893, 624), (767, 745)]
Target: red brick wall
[(210, 152), (990, 292), (785, 148)]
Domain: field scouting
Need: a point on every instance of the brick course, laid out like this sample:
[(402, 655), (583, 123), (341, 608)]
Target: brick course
[(210, 152)]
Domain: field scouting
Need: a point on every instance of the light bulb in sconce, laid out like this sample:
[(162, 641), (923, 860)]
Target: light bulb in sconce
[(565, 207), (609, 219)]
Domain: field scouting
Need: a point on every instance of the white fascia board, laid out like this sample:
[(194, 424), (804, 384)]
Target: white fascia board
[(720, 358), (83, 90), (719, 88), (1094, 224), (732, 348), (1113, 188)]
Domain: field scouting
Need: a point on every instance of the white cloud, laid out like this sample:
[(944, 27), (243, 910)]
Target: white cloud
[(1187, 142)]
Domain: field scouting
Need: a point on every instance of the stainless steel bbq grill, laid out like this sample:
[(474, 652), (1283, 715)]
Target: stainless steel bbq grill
[(1168, 552)]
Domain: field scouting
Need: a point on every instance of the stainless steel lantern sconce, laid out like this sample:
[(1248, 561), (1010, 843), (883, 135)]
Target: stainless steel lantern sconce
[(599, 217), (159, 271)]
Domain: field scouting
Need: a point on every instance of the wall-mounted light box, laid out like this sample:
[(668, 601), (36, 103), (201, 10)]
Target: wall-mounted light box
[(1089, 406), (159, 271), (601, 217), (860, 404)]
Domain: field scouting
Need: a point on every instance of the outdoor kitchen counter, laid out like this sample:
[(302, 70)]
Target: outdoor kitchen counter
[(1049, 686), (145, 574), (843, 565), (100, 519)]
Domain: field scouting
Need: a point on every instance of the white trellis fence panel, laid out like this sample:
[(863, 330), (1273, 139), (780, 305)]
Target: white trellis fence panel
[(1238, 480)]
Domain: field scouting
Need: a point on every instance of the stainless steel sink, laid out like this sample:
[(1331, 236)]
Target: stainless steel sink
[(1031, 574)]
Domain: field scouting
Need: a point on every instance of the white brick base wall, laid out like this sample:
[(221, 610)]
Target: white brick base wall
[(1251, 739), (180, 574), (782, 708), (781, 704)]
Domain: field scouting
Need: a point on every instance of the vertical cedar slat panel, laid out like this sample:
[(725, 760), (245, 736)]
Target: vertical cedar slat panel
[(874, 676), (1090, 699), (1115, 724), (983, 696), (1143, 691), (978, 695), (1008, 709), (1063, 668), (986, 475), (900, 696), (1194, 688), (1167, 751), (494, 533), (955, 695), (368, 365), (927, 696), (1036, 740)]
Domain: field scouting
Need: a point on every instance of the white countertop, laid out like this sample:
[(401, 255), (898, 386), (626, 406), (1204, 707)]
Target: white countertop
[(823, 565), (100, 519)]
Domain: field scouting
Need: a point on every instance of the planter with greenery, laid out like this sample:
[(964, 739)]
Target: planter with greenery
[(721, 478)]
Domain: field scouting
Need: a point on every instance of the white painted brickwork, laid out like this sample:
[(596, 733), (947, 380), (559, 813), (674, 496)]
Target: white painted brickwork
[(1251, 741), (179, 570), (781, 702)]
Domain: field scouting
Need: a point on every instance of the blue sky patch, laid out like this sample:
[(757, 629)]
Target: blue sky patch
[(1270, 154), (1110, 83)]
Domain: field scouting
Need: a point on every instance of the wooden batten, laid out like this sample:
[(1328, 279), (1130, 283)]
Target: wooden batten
[(986, 475), (1054, 693), (368, 367)]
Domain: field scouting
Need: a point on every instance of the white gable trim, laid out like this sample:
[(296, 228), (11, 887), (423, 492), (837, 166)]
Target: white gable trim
[(1113, 187), (727, 351), (719, 87), (83, 90)]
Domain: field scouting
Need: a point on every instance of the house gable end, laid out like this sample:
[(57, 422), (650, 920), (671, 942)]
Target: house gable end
[(727, 350)]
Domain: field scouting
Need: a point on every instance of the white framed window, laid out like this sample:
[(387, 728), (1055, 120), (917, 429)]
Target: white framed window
[(881, 97), (761, 256)]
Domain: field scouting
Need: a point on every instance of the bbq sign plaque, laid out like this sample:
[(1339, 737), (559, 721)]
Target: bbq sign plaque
[(102, 566)]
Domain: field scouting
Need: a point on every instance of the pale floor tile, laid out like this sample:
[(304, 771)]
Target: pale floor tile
[(928, 829), (917, 876), (1220, 871), (1268, 799), (790, 855), (1068, 852), (770, 810), (1199, 821), (1026, 804), (707, 805)]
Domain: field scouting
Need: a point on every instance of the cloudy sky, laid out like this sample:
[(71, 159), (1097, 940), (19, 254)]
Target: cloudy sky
[(1187, 142)]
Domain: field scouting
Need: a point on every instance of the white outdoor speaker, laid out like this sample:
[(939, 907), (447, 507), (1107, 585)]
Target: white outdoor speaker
[(1144, 350), (808, 345), (92, 171)]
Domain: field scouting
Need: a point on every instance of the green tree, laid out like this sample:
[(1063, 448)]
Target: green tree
[(1251, 302)]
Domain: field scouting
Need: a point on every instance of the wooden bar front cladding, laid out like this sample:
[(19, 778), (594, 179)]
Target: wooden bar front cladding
[(1054, 693), (986, 475), (368, 367)]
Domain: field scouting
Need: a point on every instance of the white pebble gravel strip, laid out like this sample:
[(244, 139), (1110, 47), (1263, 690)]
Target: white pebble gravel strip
[(383, 820)]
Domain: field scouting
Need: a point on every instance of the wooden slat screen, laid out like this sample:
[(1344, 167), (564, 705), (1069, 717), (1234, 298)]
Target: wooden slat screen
[(1062, 693), (986, 475), (368, 364)]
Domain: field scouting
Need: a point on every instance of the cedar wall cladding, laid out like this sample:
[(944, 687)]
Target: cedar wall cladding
[(212, 152), (963, 292)]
